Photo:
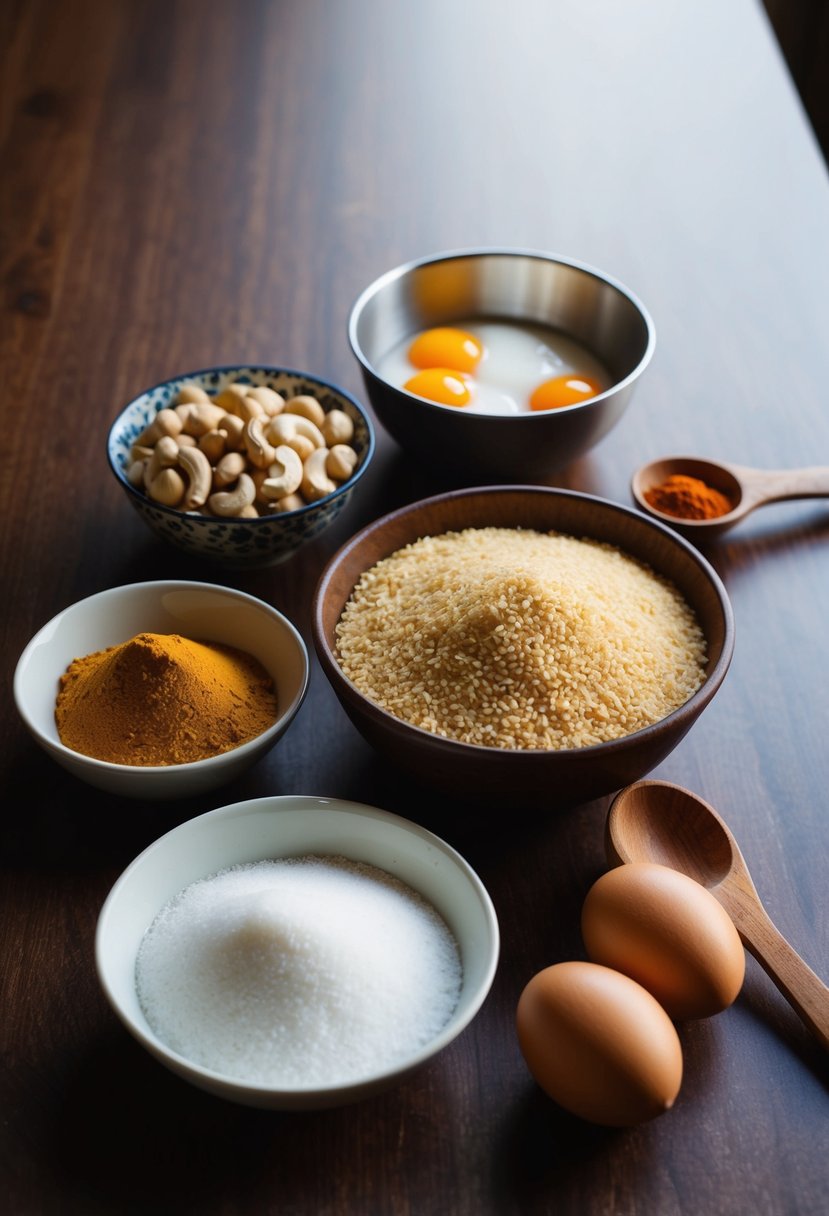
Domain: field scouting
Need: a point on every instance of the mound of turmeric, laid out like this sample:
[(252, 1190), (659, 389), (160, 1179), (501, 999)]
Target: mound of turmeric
[(162, 699)]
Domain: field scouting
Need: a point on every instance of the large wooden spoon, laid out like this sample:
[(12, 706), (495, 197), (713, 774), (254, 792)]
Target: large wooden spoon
[(744, 487), (659, 822)]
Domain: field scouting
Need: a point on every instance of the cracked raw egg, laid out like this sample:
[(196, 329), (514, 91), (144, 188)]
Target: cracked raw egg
[(564, 390), (495, 367), (441, 384), (446, 347)]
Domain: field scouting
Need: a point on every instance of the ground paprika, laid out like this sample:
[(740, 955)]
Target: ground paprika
[(688, 498)]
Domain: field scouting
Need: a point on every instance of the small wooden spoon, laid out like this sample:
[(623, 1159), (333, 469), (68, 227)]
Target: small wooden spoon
[(745, 488), (663, 823)]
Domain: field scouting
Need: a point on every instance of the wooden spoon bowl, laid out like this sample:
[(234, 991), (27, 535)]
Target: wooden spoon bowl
[(656, 821), (745, 488)]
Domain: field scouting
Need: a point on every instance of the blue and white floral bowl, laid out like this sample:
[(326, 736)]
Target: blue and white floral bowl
[(240, 543)]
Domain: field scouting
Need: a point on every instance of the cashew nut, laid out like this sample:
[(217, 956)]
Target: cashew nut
[(214, 445), (199, 475), (260, 452), (285, 426), (190, 392), (228, 469), (305, 406), (257, 476), (135, 473), (248, 407), (337, 428), (315, 481), (236, 400), (184, 409), (166, 422), (202, 417), (168, 487), (233, 502), (341, 462), (280, 429), (234, 427), (302, 446), (291, 502), (230, 396), (272, 402), (165, 454), (284, 474), (243, 453)]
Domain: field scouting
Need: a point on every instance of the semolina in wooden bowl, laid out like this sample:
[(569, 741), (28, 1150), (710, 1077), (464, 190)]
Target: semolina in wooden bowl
[(570, 770)]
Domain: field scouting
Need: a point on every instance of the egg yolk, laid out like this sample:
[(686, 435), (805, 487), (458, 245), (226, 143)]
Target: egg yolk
[(564, 390), (446, 347), (441, 384)]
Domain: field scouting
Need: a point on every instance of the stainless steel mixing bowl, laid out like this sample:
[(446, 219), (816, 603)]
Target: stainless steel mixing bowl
[(505, 284)]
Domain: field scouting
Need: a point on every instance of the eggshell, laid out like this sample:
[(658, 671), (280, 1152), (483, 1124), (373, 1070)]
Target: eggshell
[(599, 1044), (668, 933)]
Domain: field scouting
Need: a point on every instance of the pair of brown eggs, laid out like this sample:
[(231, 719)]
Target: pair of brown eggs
[(599, 1036)]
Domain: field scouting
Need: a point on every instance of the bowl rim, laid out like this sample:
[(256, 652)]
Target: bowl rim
[(499, 251), (262, 520), (274, 804), (148, 770), (697, 700)]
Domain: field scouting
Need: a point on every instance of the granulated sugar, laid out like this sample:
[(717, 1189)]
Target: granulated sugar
[(300, 972), (512, 638)]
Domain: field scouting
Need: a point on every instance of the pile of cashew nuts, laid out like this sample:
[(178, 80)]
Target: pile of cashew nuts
[(244, 453)]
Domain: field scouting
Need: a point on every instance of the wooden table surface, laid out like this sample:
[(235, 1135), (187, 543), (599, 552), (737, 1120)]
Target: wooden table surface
[(187, 183)]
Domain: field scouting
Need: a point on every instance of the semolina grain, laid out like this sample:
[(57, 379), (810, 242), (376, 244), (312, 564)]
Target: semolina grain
[(512, 638)]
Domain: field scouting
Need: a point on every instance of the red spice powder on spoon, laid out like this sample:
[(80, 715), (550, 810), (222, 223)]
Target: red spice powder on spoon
[(688, 498)]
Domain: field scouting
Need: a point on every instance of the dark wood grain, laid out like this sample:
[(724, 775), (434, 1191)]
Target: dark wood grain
[(190, 183)]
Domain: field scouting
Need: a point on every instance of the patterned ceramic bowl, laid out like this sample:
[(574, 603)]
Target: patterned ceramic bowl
[(239, 543)]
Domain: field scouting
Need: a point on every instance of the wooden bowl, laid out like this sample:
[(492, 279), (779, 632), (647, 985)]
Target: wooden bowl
[(553, 779)]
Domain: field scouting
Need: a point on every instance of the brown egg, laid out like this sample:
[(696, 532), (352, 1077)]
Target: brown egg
[(668, 933), (598, 1044)]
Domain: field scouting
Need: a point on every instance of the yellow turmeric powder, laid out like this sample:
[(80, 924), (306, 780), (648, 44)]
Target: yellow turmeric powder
[(162, 699)]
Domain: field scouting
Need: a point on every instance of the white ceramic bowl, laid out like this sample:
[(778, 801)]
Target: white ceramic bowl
[(200, 611), (269, 828)]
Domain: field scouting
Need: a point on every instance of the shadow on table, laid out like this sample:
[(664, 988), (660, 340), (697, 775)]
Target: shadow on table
[(132, 1138), (543, 1148)]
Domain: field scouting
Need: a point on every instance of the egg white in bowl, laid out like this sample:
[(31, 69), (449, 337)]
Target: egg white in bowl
[(503, 367)]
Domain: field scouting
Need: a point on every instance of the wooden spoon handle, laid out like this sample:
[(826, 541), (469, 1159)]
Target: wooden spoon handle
[(773, 485), (804, 990)]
